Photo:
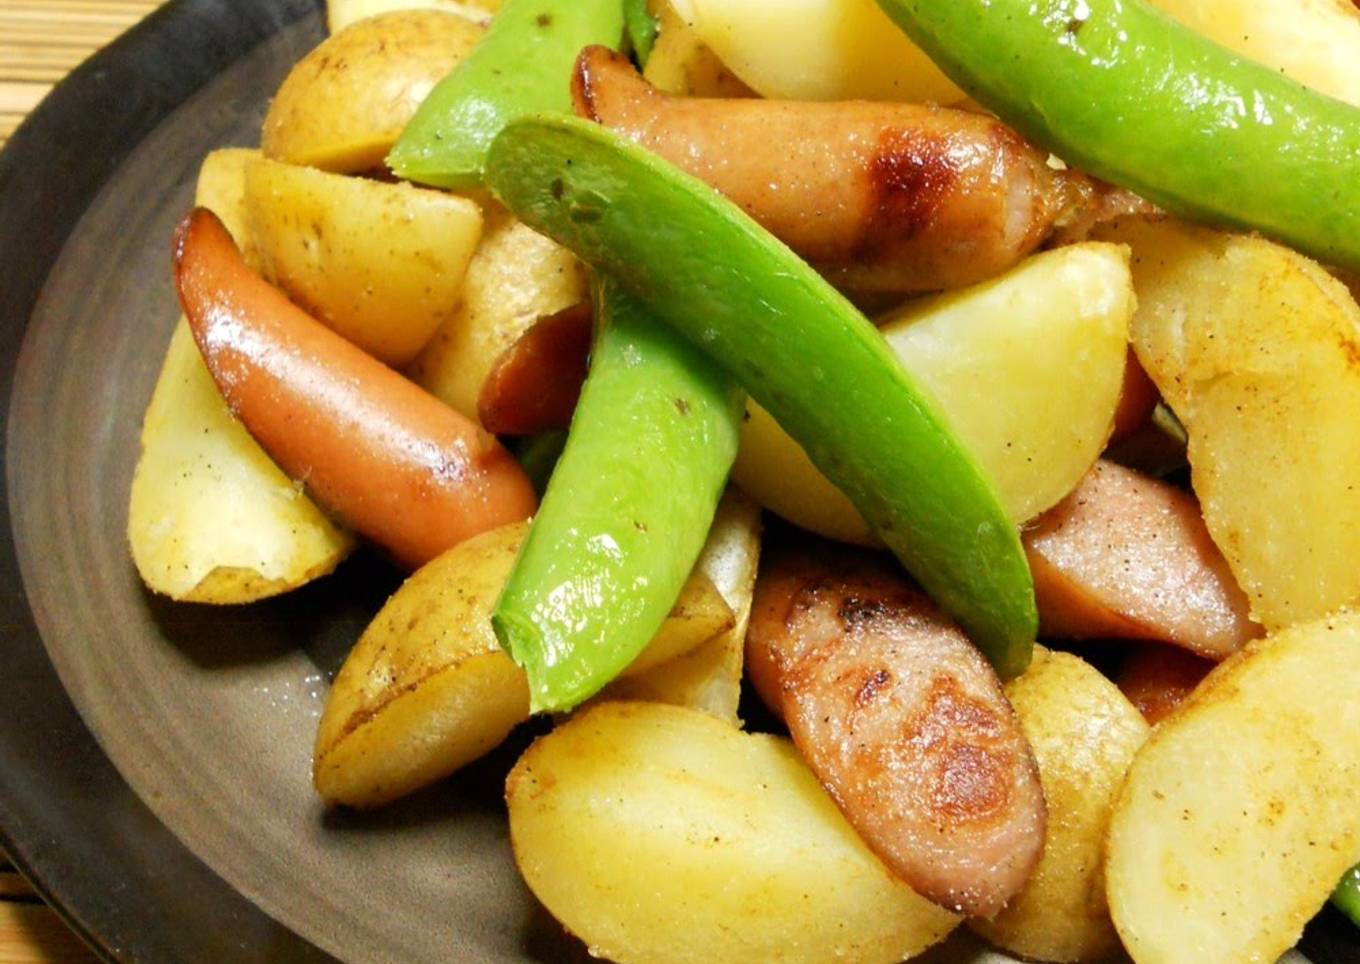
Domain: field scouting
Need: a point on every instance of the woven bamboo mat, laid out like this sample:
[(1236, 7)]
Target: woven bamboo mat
[(40, 41)]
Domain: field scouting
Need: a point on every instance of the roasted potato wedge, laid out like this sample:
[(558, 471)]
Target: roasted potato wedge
[(1238, 816), (659, 834), (1256, 350), (381, 264), (1048, 340), (341, 13), (1316, 42), (708, 677), (427, 689), (1084, 734), (817, 50), (342, 107), (516, 277), (210, 518), (681, 64)]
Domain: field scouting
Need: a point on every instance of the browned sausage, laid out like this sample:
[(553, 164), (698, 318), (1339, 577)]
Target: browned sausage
[(902, 720), (1137, 399), (393, 462), (535, 383), (1158, 678), (878, 196), (1128, 557)]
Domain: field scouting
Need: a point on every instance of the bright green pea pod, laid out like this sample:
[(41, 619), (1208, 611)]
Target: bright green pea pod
[(641, 27), (627, 510), (1346, 897), (1124, 92), (523, 65), (801, 350)]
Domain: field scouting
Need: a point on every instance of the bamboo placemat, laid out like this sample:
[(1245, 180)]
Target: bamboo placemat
[(40, 41)]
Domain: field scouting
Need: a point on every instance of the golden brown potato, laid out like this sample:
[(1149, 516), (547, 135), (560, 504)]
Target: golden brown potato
[(1048, 340), (658, 834), (817, 50), (708, 677), (210, 518), (342, 107), (681, 64), (1316, 42), (341, 13), (427, 689), (516, 277), (381, 264), (1084, 734), (1255, 348), (1238, 816)]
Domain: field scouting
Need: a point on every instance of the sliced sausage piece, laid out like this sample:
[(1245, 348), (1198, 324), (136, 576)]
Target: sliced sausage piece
[(1158, 678), (392, 461), (878, 196), (1128, 557), (902, 720), (534, 385), (1137, 399)]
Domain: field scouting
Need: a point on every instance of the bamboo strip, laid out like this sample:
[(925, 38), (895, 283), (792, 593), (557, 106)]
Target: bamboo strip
[(33, 934)]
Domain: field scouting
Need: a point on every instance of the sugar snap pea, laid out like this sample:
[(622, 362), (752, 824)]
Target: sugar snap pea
[(627, 509), (522, 65), (801, 350), (1124, 92)]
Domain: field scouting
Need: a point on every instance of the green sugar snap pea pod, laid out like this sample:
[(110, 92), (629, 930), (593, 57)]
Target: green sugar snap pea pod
[(522, 65), (1346, 897), (1124, 92), (627, 509), (801, 350)]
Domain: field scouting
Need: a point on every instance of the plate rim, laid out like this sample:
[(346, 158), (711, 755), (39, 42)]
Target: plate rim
[(103, 110)]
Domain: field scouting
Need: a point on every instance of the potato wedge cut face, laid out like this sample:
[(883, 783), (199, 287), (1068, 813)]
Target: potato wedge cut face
[(516, 276), (660, 834), (1028, 368), (1313, 41), (817, 50), (380, 264), (1084, 734), (344, 105), (1255, 348), (1238, 816), (211, 518)]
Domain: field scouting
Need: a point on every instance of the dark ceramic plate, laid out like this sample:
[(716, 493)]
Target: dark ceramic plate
[(154, 758)]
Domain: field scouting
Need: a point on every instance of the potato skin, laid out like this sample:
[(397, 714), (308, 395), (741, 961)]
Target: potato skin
[(427, 688), (210, 518), (1084, 734), (1244, 798), (342, 107), (380, 264), (659, 834)]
